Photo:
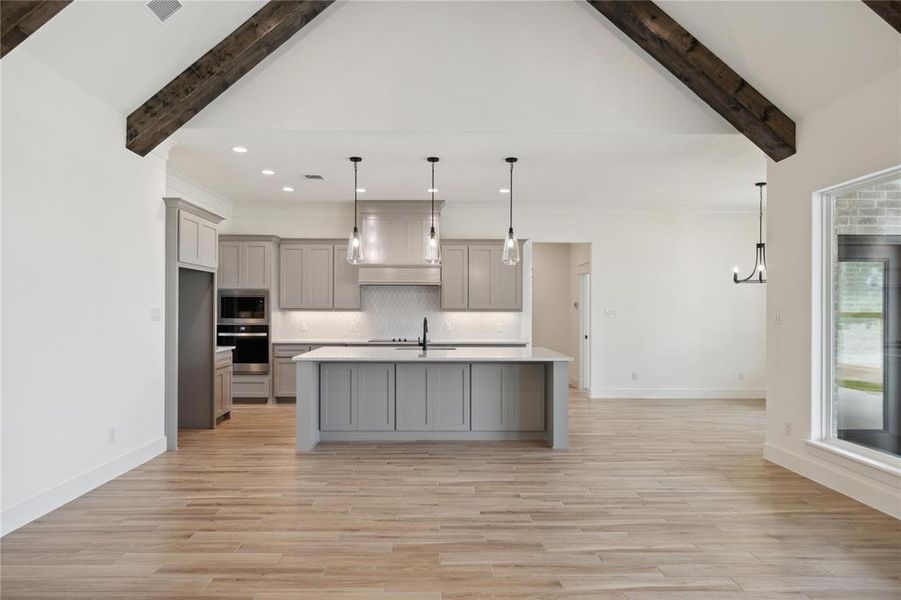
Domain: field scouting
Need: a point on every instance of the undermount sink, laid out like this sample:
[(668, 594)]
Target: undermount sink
[(430, 348)]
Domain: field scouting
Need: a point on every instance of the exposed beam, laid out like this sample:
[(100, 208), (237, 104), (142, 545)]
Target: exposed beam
[(890, 10), (20, 18), (214, 72), (704, 73)]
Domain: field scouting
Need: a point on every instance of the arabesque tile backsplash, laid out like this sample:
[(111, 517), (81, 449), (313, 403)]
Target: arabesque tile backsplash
[(397, 311)]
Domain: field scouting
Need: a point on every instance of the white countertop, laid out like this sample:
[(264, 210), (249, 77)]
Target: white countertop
[(394, 355), (224, 349), (450, 342)]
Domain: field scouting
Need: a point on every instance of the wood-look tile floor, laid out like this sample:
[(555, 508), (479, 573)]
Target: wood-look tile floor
[(655, 500)]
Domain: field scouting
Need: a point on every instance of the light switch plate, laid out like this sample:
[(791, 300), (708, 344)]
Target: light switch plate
[(155, 313)]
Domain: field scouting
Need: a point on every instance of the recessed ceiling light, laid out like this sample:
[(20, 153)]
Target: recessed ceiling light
[(267, 172), (239, 149), (432, 190), (361, 190), (287, 188), (504, 191)]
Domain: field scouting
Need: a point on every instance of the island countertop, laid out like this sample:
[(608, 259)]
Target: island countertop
[(415, 354)]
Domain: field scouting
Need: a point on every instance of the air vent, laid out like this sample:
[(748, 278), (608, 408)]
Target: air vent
[(163, 9), (316, 177)]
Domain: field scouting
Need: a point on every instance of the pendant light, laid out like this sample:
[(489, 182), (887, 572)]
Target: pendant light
[(432, 243), (355, 242), (511, 245), (758, 275)]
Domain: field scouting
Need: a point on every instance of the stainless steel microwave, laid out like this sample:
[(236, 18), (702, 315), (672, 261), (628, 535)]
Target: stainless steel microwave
[(244, 307)]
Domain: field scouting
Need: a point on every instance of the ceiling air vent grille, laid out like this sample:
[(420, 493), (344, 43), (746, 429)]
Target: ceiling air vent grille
[(163, 9), (316, 177)]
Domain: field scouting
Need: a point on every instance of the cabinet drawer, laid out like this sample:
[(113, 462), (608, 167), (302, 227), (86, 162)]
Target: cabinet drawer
[(250, 386)]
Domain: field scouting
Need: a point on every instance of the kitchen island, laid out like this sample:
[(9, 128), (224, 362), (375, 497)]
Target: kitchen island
[(405, 394)]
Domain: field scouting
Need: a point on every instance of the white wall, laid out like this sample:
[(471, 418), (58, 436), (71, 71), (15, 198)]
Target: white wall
[(82, 262), (551, 307), (682, 324), (855, 136)]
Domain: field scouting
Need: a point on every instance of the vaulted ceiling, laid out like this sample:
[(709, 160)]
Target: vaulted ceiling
[(594, 119)]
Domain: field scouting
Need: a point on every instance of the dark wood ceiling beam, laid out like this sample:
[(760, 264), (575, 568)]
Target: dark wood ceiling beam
[(703, 73), (890, 10), (20, 18), (217, 70)]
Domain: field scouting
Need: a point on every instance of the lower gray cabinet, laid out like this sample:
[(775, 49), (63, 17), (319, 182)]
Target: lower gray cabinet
[(433, 397), (284, 369), (356, 397), (508, 397)]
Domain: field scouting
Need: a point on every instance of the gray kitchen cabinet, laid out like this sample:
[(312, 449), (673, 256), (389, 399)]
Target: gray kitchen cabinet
[(432, 397), (222, 385), (454, 276), (245, 263), (375, 397), (197, 241), (347, 293), (356, 397), (492, 284), (229, 265), (306, 274), (508, 397), (284, 370), (337, 394)]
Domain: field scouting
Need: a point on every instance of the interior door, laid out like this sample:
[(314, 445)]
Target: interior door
[(584, 330), (868, 342)]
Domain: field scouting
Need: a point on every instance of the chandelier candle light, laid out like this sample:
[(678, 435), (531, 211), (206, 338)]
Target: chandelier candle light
[(433, 244), (355, 242), (511, 245), (758, 275)]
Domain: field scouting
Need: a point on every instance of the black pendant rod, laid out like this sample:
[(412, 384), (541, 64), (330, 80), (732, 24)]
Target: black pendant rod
[(760, 185), (433, 160), (511, 160), (355, 160)]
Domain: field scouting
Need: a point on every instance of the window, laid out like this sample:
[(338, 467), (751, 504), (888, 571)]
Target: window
[(860, 396)]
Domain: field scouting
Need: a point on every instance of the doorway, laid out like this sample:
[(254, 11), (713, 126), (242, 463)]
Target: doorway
[(584, 309), (561, 304)]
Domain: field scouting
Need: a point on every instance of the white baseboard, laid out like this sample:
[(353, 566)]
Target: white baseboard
[(872, 493), (37, 506), (677, 393)]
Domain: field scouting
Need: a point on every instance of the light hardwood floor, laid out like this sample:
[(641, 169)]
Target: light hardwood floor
[(655, 500)]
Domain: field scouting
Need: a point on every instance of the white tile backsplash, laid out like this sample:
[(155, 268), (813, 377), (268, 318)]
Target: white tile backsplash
[(397, 311)]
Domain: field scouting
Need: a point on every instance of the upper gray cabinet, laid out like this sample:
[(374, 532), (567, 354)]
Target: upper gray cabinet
[(196, 240), (347, 295), (246, 262), (454, 277), (474, 277), (306, 273)]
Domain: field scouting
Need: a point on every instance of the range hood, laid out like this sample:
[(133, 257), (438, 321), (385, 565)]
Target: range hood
[(394, 235)]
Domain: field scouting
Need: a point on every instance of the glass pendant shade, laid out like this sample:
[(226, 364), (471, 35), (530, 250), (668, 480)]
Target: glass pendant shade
[(432, 243), (511, 244), (511, 249), (355, 241), (355, 248), (433, 248)]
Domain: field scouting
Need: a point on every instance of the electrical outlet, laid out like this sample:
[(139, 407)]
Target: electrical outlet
[(634, 376), (447, 325), (111, 435), (498, 326), (741, 376), (304, 326), (155, 313), (611, 314), (777, 317), (788, 428)]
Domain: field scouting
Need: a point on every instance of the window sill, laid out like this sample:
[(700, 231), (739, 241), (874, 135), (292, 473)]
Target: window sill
[(886, 469)]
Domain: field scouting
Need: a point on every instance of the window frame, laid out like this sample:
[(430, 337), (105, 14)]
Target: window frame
[(824, 255)]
